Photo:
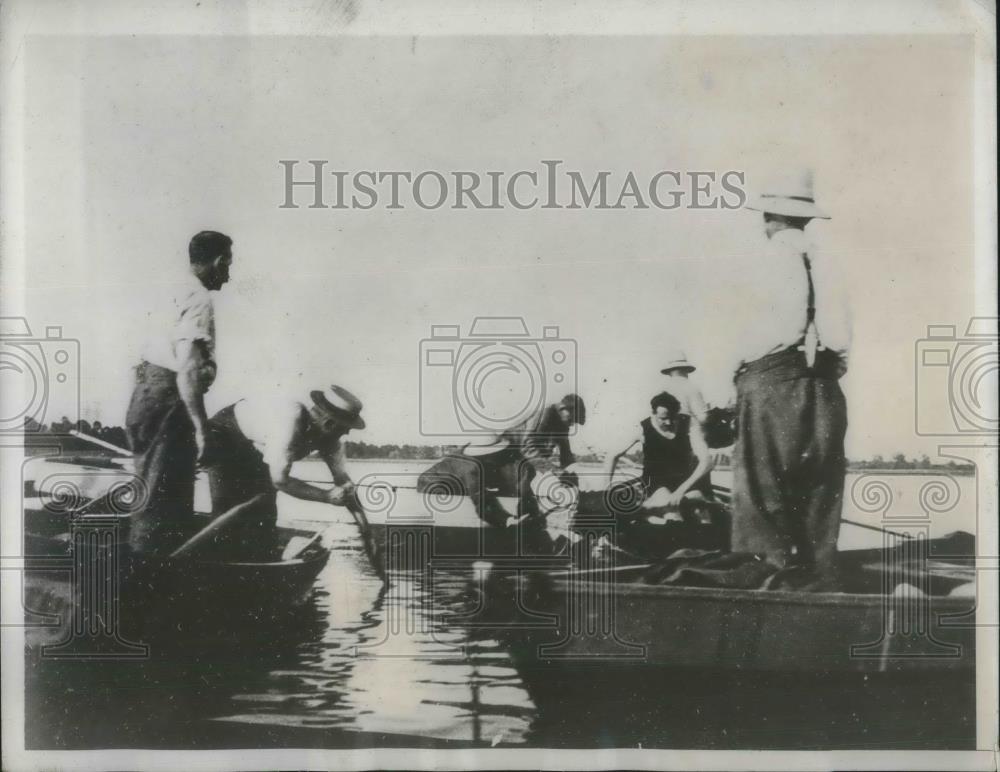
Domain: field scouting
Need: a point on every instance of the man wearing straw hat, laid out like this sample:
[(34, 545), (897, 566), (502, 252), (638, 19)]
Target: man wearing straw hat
[(254, 444), (677, 370), (792, 416)]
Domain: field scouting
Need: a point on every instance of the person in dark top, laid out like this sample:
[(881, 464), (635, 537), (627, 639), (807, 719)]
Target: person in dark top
[(676, 463)]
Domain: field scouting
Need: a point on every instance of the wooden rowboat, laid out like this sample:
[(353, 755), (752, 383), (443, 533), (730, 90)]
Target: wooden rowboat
[(724, 668), (83, 597), (911, 608)]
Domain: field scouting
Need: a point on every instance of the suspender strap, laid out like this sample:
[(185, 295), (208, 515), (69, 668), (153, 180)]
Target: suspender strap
[(811, 309)]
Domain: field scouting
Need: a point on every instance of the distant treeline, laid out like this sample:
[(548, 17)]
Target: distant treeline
[(899, 461), (41, 435), (40, 438)]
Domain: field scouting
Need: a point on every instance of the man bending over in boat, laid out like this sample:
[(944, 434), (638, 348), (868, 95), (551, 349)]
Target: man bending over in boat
[(254, 444), (515, 463), (676, 463)]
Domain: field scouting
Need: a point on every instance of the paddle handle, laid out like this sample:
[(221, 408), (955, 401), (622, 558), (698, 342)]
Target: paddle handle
[(101, 443), (726, 495), (223, 521), (371, 548)]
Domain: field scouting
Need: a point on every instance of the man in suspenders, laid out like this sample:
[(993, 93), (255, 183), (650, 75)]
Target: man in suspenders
[(789, 463)]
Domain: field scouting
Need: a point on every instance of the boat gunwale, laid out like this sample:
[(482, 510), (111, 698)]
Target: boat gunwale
[(733, 594)]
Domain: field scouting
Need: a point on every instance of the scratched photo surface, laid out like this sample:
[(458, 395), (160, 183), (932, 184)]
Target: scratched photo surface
[(498, 391)]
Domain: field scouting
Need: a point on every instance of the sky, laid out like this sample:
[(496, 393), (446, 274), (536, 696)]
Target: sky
[(137, 142)]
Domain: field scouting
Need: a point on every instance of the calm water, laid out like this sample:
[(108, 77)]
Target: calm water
[(368, 666)]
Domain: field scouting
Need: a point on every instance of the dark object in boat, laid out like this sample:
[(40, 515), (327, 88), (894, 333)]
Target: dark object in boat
[(719, 427)]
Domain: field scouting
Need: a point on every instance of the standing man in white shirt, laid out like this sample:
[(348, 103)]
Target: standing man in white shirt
[(789, 457), (166, 421)]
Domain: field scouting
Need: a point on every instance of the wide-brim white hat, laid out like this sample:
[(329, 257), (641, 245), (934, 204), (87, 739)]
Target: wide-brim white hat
[(790, 196), (676, 360), (486, 447)]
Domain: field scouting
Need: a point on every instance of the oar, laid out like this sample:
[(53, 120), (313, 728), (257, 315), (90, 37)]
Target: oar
[(371, 546), (101, 443), (220, 523), (727, 494)]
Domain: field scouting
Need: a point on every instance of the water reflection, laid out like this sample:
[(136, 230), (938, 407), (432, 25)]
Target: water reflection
[(388, 662)]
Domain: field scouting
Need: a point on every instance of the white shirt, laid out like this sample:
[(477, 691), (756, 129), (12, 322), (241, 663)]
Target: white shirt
[(774, 300), (187, 314), (274, 426), (688, 394)]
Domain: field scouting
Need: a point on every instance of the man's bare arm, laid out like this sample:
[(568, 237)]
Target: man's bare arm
[(705, 464), (336, 462), (300, 489), (191, 386)]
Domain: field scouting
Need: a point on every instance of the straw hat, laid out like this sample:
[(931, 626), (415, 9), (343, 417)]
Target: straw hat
[(338, 403), (791, 196), (676, 360), (487, 448)]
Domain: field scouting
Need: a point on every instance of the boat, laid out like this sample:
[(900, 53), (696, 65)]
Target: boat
[(414, 528), (729, 668), (442, 527), (912, 623), (81, 588), (82, 599)]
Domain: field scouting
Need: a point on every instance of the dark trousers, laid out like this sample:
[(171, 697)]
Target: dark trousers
[(161, 437), (789, 463), (237, 473), (505, 472)]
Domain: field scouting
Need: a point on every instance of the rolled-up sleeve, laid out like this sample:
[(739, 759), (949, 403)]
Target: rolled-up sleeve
[(195, 321)]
